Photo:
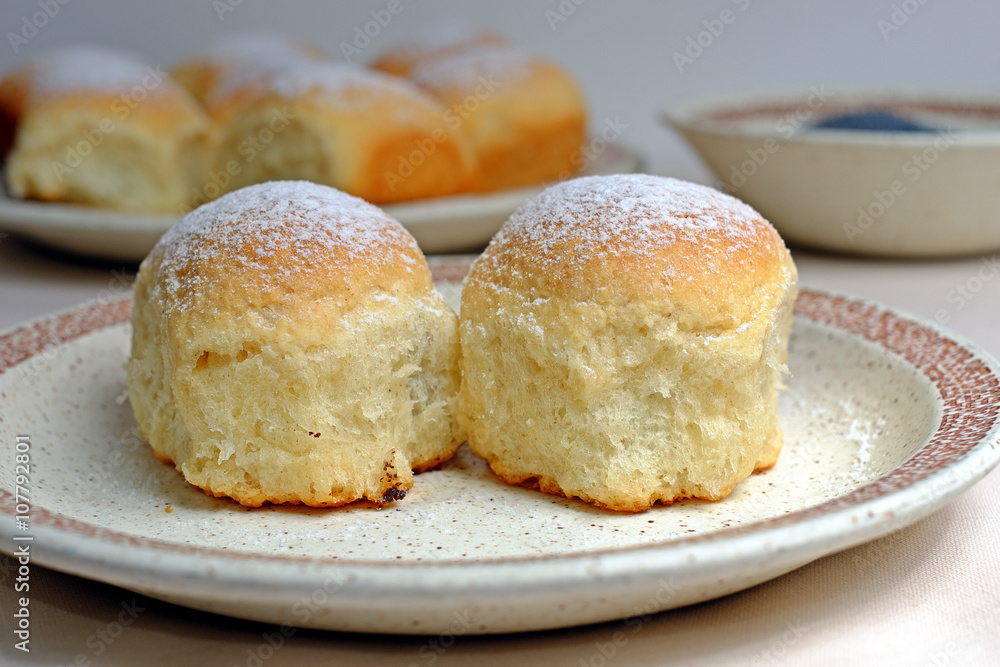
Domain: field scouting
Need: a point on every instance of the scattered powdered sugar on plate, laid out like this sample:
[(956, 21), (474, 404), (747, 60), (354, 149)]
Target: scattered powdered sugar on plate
[(322, 226)]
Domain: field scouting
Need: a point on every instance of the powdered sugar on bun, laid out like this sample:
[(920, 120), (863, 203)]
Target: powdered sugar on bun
[(435, 42), (348, 86), (93, 69), (470, 67), (447, 35), (280, 235), (636, 235), (600, 212)]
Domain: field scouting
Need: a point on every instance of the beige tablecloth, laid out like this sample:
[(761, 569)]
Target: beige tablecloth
[(927, 595)]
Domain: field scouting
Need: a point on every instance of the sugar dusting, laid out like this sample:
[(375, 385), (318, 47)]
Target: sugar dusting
[(320, 225), (333, 77), (295, 77), (471, 67), (91, 68), (444, 36), (242, 59), (606, 216)]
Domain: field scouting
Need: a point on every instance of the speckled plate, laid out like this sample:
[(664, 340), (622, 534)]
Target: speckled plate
[(441, 224), (886, 419)]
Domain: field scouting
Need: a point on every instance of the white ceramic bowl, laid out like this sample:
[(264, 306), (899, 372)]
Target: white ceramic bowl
[(901, 194)]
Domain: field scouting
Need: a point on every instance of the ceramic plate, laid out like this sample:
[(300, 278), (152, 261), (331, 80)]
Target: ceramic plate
[(440, 225), (886, 419)]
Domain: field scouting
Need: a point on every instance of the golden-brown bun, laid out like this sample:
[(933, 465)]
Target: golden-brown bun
[(15, 87), (440, 41), (525, 116), (622, 342), (237, 58), (372, 135), (289, 347), (95, 126)]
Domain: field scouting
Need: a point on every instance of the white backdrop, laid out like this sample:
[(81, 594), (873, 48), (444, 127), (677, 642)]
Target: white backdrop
[(622, 51)]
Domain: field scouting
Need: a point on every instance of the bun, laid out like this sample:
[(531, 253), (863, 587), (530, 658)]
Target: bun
[(622, 342), (369, 134), (15, 87), (440, 41), (524, 116), (238, 58), (95, 126), (289, 347)]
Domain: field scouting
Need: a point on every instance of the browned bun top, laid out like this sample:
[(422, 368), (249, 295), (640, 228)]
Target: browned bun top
[(678, 247), (442, 40), (280, 245), (87, 69), (501, 65), (15, 89), (112, 82), (237, 59), (252, 49), (350, 88)]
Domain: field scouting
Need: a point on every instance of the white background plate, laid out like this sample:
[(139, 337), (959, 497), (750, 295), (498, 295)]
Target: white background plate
[(440, 225), (886, 420)]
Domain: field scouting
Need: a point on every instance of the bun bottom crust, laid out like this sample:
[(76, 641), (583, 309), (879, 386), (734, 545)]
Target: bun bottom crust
[(623, 503)]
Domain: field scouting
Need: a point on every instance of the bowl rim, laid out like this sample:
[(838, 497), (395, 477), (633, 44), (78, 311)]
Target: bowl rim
[(691, 116)]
